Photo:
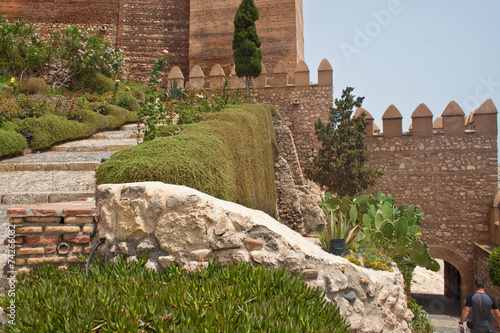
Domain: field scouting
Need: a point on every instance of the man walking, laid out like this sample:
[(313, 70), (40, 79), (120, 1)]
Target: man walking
[(481, 304)]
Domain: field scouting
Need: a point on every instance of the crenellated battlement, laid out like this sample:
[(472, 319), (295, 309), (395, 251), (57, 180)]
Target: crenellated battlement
[(452, 122), (280, 78)]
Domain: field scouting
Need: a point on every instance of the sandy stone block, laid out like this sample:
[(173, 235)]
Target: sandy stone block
[(79, 219), (23, 270), (77, 249), (87, 250), (29, 167), (75, 260), (7, 167), (16, 220), (20, 262), (77, 239), (55, 167), (28, 230), (31, 250), (42, 239), (83, 166), (43, 219), (50, 260), (64, 229), (22, 198), (88, 229)]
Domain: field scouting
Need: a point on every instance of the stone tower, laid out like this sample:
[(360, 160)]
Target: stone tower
[(194, 31)]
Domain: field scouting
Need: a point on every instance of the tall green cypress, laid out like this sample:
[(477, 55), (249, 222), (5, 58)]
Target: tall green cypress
[(246, 43)]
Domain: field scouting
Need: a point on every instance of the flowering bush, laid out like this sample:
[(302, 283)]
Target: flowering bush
[(74, 53), (21, 50)]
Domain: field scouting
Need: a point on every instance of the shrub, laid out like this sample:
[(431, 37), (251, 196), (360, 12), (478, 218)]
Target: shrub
[(229, 156), (127, 101), (494, 267), (98, 83), (33, 86), (9, 109), (126, 297), (421, 322), (31, 107), (11, 143)]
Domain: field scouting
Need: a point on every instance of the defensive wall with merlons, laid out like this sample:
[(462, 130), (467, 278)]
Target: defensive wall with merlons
[(448, 167)]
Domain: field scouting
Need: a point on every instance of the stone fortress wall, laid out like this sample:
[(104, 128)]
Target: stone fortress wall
[(193, 31), (449, 169)]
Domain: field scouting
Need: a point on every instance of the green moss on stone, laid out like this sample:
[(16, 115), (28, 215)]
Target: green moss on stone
[(11, 143)]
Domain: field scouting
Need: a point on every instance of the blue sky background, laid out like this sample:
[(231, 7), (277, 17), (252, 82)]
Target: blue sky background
[(407, 52)]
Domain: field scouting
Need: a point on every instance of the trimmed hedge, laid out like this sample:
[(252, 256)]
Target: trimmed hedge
[(230, 155), (11, 143), (50, 129)]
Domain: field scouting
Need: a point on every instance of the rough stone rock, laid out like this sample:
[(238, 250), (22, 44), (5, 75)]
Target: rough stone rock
[(186, 222), (309, 197)]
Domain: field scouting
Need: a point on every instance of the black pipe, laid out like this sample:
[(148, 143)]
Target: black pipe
[(90, 257)]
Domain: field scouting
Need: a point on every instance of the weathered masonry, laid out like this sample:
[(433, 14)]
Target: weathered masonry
[(194, 31)]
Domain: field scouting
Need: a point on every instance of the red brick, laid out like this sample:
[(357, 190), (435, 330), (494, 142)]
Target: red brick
[(16, 211), (43, 219), (75, 260), (87, 250), (77, 239), (50, 249), (310, 273), (42, 239), (17, 241), (79, 211), (44, 211)]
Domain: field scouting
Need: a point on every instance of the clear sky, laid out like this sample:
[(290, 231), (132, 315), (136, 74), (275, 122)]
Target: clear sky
[(407, 52)]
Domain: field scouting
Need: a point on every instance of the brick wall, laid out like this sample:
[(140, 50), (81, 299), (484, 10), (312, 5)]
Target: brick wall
[(56, 233)]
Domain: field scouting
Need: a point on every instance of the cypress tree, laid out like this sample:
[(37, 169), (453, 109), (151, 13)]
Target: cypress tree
[(246, 43)]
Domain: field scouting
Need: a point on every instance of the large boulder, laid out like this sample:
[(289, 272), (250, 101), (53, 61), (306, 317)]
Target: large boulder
[(179, 224)]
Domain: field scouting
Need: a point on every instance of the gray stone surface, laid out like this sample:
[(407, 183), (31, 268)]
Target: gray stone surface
[(60, 157), (46, 181)]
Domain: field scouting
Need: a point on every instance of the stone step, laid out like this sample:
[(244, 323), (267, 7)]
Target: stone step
[(117, 135), (132, 127), (92, 145), (26, 187), (55, 161)]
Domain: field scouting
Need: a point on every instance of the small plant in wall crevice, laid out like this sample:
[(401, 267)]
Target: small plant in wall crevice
[(494, 267)]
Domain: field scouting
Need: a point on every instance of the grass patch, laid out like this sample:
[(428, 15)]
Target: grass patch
[(230, 156)]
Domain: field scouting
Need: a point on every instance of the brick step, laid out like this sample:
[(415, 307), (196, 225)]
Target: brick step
[(92, 145)]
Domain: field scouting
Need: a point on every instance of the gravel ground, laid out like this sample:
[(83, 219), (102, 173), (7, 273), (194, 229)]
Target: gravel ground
[(46, 181)]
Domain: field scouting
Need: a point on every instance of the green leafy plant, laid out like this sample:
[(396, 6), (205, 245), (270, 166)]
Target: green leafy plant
[(494, 266), (340, 163), (421, 322), (343, 218), (126, 297)]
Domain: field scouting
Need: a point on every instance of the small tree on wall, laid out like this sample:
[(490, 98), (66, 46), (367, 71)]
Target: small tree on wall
[(246, 43), (339, 166)]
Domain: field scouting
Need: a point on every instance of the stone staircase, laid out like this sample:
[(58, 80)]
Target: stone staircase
[(63, 173)]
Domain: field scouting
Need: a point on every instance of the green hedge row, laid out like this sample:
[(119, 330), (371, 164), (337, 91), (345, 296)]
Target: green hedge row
[(230, 155), (50, 129)]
